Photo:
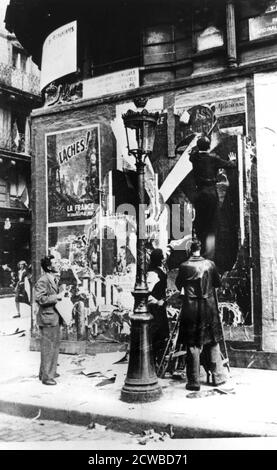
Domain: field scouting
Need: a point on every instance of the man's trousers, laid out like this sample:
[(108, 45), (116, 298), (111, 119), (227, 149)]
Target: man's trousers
[(49, 351), (211, 361)]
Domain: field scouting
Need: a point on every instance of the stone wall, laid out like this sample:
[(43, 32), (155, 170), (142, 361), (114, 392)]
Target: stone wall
[(265, 107)]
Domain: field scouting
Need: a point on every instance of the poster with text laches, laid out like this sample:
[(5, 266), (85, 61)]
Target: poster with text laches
[(73, 174)]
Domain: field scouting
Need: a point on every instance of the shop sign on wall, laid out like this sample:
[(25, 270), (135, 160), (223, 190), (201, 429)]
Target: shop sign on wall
[(264, 25), (73, 169), (59, 54), (224, 107), (230, 106), (111, 83)]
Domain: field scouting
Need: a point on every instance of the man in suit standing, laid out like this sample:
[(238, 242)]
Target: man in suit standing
[(200, 329), (48, 319)]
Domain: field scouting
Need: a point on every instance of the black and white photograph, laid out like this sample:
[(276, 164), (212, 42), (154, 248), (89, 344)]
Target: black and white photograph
[(138, 221)]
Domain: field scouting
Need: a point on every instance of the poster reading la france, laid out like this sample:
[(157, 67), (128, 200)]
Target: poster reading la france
[(73, 169)]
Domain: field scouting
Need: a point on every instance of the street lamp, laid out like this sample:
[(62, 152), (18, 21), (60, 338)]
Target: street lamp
[(141, 383)]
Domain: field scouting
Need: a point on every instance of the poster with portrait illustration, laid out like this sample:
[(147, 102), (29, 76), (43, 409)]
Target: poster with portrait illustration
[(75, 247), (73, 169), (224, 121)]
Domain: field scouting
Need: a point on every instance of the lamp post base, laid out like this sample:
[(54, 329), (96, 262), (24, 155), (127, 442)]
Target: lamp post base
[(131, 394), (141, 383)]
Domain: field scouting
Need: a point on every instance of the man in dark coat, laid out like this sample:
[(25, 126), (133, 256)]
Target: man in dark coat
[(48, 319), (157, 283), (200, 328), (205, 167)]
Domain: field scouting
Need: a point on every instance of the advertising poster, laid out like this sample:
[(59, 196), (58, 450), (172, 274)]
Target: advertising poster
[(264, 25), (225, 122), (111, 83), (59, 54), (73, 245), (73, 169), (78, 254)]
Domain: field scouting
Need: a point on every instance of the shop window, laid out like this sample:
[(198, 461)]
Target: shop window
[(167, 47), (158, 45), (208, 25), (19, 59), (14, 190), (209, 38), (3, 193), (119, 48)]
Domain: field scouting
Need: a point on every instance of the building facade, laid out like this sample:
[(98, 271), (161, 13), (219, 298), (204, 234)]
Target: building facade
[(19, 94), (206, 66)]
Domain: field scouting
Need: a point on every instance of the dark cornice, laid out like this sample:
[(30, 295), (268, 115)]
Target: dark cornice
[(14, 211), (256, 43), (28, 99), (246, 70), (33, 20), (9, 155)]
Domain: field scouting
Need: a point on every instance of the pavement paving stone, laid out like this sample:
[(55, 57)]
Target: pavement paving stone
[(18, 429)]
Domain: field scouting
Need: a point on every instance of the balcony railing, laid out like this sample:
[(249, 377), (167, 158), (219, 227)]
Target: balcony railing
[(15, 78)]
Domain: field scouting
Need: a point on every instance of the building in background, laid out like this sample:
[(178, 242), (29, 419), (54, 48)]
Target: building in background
[(19, 94), (204, 65)]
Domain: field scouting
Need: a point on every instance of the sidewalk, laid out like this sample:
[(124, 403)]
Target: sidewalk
[(244, 407)]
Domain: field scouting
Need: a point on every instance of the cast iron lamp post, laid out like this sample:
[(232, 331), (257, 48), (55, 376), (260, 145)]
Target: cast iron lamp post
[(141, 383)]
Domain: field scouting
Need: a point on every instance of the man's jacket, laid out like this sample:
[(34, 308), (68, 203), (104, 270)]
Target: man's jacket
[(206, 165), (199, 322), (46, 291)]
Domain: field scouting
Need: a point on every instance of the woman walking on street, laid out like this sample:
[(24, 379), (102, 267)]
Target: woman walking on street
[(20, 279)]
